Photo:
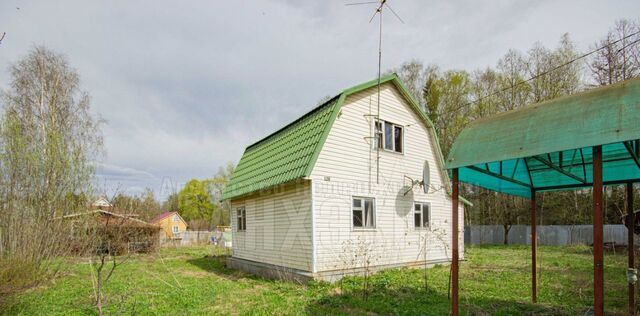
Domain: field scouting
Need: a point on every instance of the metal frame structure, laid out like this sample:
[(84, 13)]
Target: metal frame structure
[(631, 218), (590, 139), (598, 243)]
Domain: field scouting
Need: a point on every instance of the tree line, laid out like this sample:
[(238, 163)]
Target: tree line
[(454, 98), (198, 202)]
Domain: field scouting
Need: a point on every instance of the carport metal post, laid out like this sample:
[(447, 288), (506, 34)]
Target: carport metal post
[(534, 246), (598, 256), (454, 243), (631, 220)]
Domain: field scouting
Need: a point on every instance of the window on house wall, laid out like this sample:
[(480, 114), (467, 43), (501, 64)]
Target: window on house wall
[(379, 135), (421, 215), (175, 228), (397, 138), (176, 218), (363, 212), (389, 136), (241, 213)]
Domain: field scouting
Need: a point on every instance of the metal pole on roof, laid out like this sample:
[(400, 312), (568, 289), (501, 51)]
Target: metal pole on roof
[(534, 249), (454, 242), (631, 222), (598, 246), (381, 4), (378, 110)]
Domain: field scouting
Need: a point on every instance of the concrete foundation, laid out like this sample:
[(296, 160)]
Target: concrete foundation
[(271, 271)]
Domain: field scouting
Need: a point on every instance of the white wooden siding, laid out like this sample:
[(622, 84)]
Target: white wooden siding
[(346, 167), (278, 227)]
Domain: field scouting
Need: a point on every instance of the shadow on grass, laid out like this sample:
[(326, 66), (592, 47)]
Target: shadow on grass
[(217, 264), (405, 300), (402, 292)]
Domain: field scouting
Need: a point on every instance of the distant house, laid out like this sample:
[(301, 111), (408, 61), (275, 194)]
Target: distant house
[(101, 204), (171, 223), (340, 190), (124, 232)]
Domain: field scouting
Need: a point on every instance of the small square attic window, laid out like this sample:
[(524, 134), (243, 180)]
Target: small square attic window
[(389, 136)]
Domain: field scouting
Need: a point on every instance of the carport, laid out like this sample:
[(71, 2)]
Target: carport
[(585, 140)]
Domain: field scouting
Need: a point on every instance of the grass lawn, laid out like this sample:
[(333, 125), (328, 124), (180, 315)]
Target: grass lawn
[(194, 281)]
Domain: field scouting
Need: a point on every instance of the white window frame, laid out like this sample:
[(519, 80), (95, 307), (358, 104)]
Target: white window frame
[(176, 218), (175, 229), (378, 134), (353, 208), (380, 138), (421, 212), (241, 219)]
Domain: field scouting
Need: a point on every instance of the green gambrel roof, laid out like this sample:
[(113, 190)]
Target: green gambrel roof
[(548, 146), (291, 152), (284, 155)]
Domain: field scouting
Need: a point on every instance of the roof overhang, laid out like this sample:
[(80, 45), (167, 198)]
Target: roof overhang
[(548, 146)]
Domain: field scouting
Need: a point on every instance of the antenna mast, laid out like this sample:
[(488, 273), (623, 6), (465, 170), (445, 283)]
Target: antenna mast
[(378, 133)]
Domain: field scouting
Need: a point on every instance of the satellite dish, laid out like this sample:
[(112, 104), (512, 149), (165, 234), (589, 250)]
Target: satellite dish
[(426, 178)]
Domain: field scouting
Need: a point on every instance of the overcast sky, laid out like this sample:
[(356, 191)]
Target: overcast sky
[(185, 85)]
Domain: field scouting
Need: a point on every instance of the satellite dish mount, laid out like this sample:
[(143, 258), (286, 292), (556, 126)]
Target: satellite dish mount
[(424, 183)]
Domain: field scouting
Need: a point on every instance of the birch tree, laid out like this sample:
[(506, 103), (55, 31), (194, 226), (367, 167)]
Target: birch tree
[(620, 59), (49, 140)]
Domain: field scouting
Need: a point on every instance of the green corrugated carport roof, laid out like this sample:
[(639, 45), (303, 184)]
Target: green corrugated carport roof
[(291, 152), (548, 146)]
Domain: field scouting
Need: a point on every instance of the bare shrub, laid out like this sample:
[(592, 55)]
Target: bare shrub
[(114, 240), (432, 237), (358, 255), (48, 142)]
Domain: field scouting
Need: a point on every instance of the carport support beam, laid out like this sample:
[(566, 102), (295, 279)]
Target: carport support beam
[(454, 243), (598, 246), (534, 249), (631, 220)]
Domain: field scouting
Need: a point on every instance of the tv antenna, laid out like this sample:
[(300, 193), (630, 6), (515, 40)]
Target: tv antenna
[(381, 5)]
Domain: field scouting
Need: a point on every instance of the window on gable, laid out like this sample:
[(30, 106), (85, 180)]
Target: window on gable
[(241, 214), (363, 212), (379, 134), (389, 136), (397, 138), (175, 229), (421, 215), (176, 218)]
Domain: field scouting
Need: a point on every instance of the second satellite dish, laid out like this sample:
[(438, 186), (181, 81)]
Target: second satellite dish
[(426, 179)]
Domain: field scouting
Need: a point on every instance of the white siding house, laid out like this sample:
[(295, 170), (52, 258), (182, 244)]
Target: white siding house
[(312, 200)]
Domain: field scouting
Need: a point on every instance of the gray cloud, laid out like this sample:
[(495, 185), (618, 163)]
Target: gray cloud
[(185, 86), (117, 172)]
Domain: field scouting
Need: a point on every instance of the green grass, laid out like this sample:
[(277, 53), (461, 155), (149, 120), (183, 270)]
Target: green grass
[(495, 280)]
